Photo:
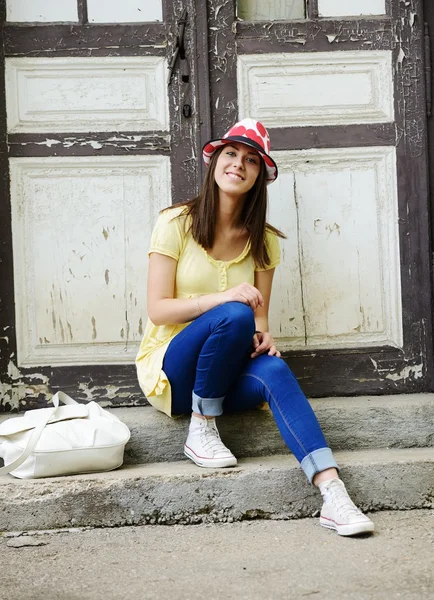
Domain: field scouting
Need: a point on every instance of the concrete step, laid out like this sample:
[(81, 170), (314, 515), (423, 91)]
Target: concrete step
[(401, 421), (404, 421), (272, 487)]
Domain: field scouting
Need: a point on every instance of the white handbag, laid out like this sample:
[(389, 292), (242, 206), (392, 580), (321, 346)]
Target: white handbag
[(64, 440)]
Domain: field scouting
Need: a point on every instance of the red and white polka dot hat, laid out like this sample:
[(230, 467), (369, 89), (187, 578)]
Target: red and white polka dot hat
[(253, 134)]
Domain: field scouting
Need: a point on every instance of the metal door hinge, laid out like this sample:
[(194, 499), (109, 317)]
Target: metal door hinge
[(428, 71)]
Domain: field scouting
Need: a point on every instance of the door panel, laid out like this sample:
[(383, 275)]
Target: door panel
[(85, 94), (81, 227), (325, 88), (348, 283)]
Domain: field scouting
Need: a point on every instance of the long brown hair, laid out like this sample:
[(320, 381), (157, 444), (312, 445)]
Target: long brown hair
[(203, 212)]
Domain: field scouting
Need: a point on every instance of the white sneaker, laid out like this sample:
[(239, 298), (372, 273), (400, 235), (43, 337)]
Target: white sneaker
[(204, 445), (340, 513)]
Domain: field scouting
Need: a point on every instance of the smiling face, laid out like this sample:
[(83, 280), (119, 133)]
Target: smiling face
[(237, 169)]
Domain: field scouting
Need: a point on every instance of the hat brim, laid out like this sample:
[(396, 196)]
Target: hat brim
[(270, 166)]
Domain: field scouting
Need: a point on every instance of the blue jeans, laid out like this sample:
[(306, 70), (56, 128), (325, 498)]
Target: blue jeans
[(210, 371)]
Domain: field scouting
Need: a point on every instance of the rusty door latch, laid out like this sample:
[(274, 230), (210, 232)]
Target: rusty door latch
[(179, 52)]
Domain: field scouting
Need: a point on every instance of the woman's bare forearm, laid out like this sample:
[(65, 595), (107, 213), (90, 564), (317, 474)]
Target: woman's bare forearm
[(261, 323), (173, 311)]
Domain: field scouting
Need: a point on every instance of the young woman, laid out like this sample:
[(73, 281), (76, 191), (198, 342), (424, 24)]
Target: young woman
[(207, 346)]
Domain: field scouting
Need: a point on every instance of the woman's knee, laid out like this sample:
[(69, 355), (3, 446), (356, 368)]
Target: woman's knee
[(272, 369), (239, 317)]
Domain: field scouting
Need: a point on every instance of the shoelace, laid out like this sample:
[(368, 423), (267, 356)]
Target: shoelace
[(343, 503), (210, 437)]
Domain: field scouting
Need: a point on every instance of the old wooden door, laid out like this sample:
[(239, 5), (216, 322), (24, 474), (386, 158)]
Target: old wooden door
[(340, 85), (97, 142)]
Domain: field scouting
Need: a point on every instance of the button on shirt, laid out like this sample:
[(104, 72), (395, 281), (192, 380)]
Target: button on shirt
[(197, 273)]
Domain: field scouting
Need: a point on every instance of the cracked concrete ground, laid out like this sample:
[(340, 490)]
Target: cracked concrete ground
[(243, 561)]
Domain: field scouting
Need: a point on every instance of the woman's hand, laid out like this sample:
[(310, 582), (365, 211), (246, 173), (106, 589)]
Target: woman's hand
[(245, 293), (263, 342)]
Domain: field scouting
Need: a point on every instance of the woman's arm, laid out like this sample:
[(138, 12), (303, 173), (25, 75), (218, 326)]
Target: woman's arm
[(263, 282), (263, 340), (164, 309)]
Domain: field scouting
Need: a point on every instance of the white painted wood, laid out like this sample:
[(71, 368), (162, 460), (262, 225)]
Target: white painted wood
[(86, 94), (343, 8), (45, 11), (318, 88), (126, 11), (81, 231), (341, 266), (270, 10), (286, 307)]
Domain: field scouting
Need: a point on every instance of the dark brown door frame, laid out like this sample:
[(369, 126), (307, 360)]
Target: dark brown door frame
[(428, 7)]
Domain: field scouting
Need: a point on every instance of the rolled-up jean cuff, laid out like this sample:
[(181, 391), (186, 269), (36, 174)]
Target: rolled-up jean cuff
[(317, 461), (208, 407)]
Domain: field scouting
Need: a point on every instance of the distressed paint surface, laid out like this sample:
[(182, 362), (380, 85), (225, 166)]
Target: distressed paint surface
[(86, 94), (319, 35), (44, 11), (223, 64), (343, 8), (339, 283), (127, 11), (270, 10), (86, 144), (138, 39), (81, 231), (325, 88)]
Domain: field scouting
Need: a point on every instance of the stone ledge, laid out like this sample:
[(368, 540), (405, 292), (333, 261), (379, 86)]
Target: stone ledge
[(403, 421), (360, 423), (167, 493)]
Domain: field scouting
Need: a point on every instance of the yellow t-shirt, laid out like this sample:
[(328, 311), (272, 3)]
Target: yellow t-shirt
[(196, 273)]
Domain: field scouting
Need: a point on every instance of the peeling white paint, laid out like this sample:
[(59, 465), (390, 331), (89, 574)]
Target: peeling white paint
[(11, 394), (110, 392), (129, 138), (400, 58), (410, 372), (13, 372), (48, 143), (93, 144), (15, 394), (42, 378)]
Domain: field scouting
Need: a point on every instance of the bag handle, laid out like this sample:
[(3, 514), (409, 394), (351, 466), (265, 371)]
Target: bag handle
[(37, 432)]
